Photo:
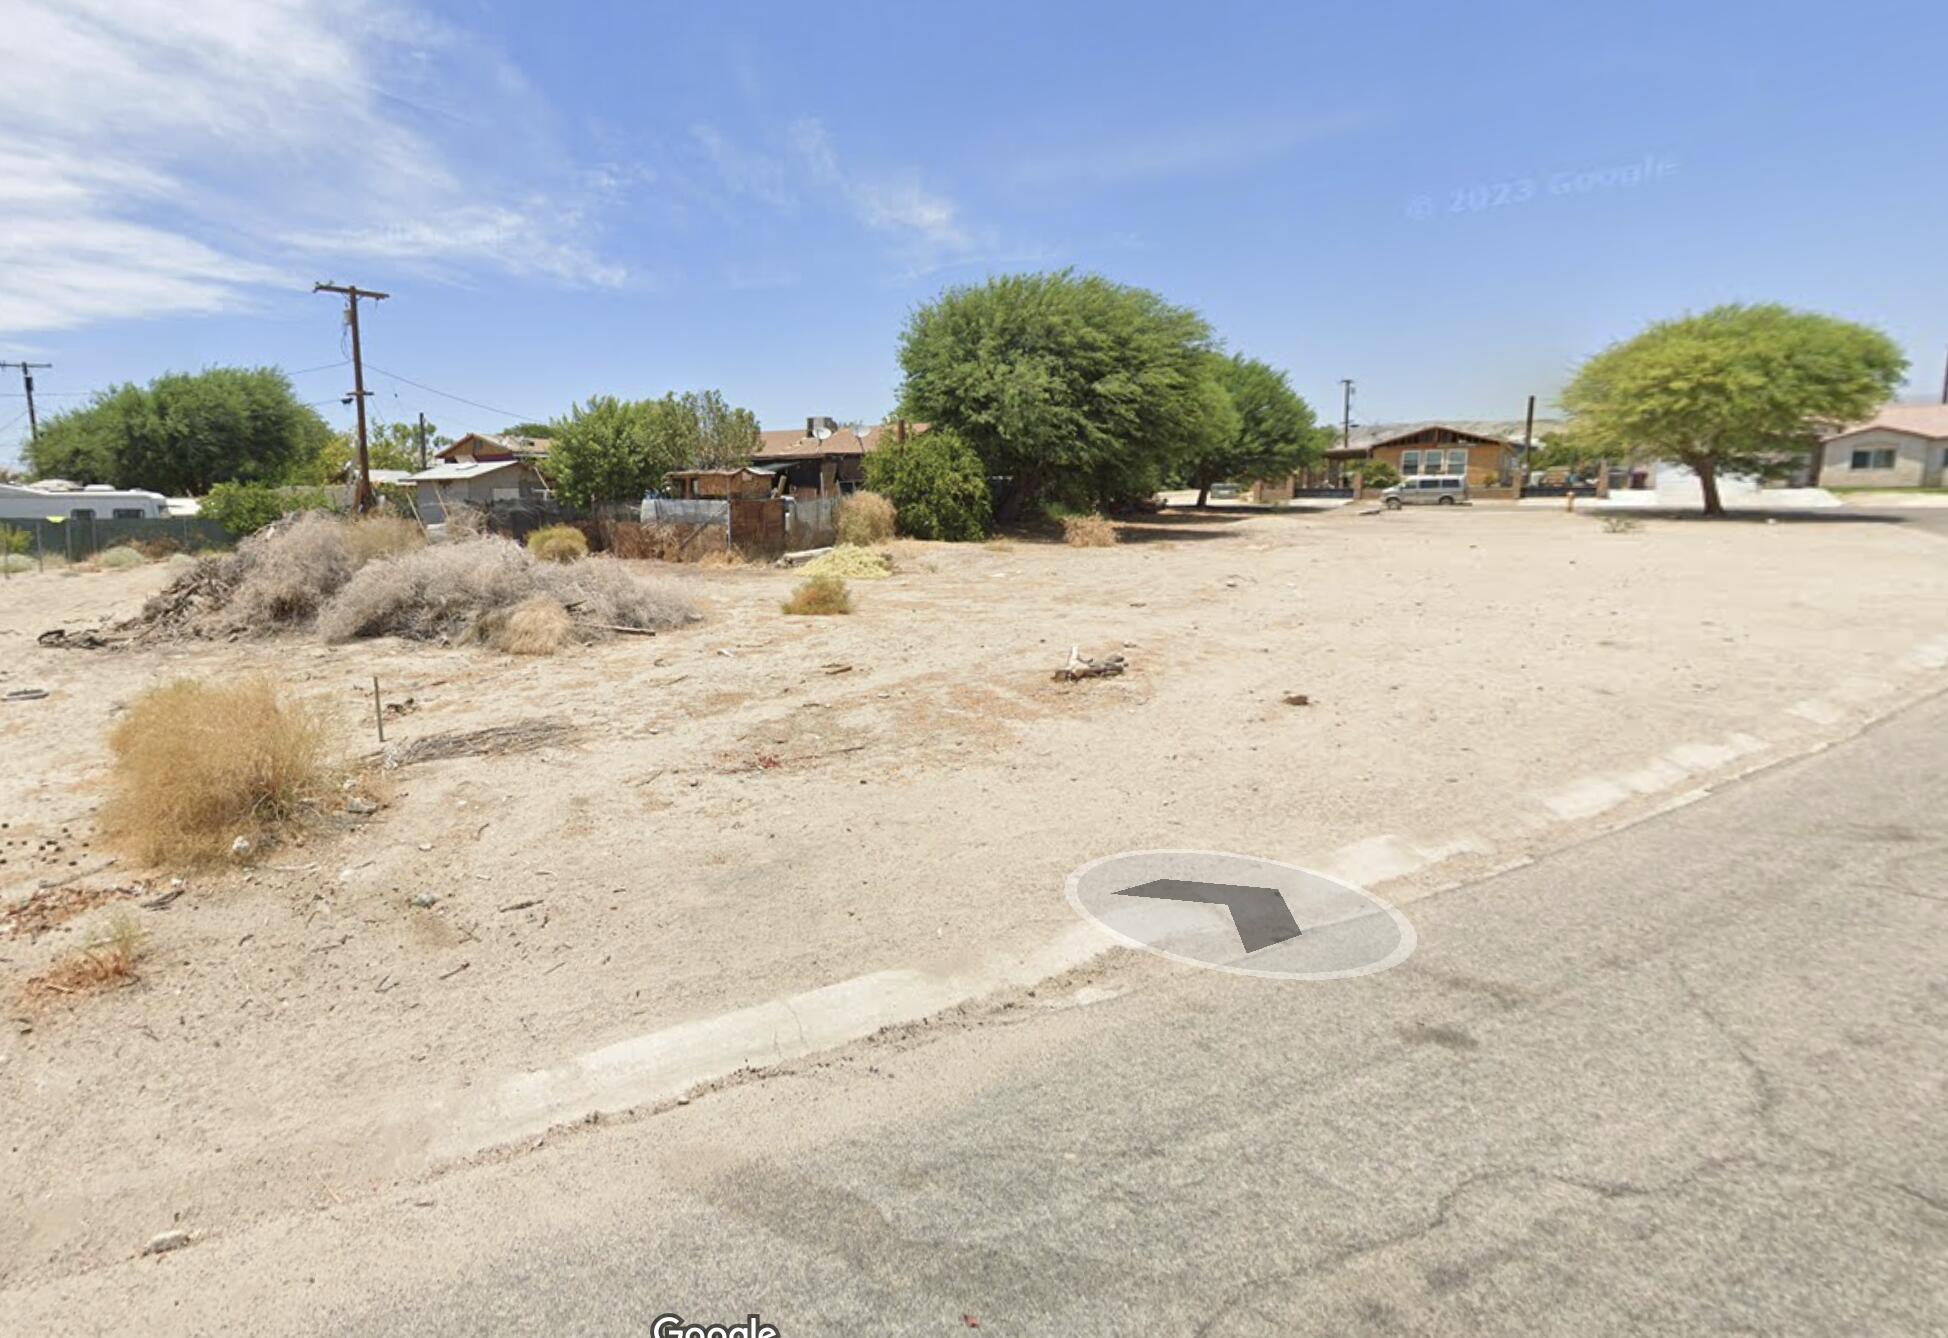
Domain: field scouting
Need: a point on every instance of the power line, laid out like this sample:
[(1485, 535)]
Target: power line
[(508, 413), (321, 367)]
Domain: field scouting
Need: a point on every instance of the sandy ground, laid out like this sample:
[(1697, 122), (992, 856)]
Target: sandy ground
[(761, 804)]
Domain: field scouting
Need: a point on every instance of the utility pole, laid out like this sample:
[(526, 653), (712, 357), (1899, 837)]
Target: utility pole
[(362, 490), (422, 441), (34, 425), (1944, 386), (1346, 413)]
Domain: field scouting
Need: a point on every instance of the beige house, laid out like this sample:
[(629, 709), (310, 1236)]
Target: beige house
[(1902, 446)]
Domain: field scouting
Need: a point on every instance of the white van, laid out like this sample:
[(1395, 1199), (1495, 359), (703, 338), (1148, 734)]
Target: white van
[(1447, 490)]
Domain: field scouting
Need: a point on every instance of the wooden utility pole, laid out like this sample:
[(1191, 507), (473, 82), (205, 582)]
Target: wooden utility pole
[(27, 383), (422, 441), (1346, 413), (1944, 387), (362, 490)]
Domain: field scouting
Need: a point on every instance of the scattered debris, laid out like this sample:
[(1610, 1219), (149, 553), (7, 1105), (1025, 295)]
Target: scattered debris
[(165, 1241), (1297, 699), (424, 901), (836, 668), (1082, 666), (162, 901), (45, 908), (359, 806), (522, 905), (241, 848), (404, 707), (61, 638), (448, 975), (26, 694), (492, 741)]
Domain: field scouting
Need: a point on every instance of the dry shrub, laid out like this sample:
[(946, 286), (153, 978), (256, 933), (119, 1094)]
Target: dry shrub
[(119, 559), (723, 558), (631, 539), (439, 593), (851, 562), (288, 570), (195, 766), (463, 521), (865, 518), (1091, 531), (820, 594), (11, 562), (536, 626), (157, 548), (371, 537), (109, 958), (558, 543)]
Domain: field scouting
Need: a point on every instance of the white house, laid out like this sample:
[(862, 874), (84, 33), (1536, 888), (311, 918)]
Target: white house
[(1902, 446), (96, 501)]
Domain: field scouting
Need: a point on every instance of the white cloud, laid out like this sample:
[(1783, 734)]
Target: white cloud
[(170, 157), (1131, 155)]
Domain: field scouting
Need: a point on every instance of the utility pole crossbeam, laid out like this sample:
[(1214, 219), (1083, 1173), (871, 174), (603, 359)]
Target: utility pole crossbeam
[(362, 490), (27, 384)]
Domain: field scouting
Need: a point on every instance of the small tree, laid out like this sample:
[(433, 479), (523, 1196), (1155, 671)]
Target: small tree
[(616, 450), (937, 484), (1377, 474), (1737, 389), (1267, 432), (245, 508)]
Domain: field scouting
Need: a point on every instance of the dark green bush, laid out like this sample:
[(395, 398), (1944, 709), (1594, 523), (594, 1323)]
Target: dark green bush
[(936, 483)]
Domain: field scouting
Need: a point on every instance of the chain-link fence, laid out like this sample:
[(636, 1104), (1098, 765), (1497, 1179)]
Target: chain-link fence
[(80, 537)]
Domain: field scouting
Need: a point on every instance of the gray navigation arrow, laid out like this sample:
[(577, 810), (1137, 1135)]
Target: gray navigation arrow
[(1260, 913)]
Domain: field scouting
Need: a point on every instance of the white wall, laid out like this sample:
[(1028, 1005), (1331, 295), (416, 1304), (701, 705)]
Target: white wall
[(1917, 461)]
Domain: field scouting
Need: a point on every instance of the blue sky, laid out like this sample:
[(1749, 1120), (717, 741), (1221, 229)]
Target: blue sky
[(1450, 204)]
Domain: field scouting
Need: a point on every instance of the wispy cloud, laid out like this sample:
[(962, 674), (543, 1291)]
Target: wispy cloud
[(187, 155), (1131, 155), (924, 228)]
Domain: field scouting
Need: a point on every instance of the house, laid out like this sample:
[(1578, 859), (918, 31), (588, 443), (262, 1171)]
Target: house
[(825, 460), (57, 499), (1902, 446), (480, 446), (1487, 452), (513, 481)]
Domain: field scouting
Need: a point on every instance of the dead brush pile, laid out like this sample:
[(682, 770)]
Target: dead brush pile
[(449, 591), (376, 577)]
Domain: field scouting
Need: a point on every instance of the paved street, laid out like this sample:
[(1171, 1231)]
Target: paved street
[(1686, 1079)]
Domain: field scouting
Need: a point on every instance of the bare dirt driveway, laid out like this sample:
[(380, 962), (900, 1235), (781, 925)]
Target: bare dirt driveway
[(762, 806)]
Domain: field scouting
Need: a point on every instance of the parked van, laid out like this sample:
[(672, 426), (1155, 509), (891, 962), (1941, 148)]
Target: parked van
[(1447, 490)]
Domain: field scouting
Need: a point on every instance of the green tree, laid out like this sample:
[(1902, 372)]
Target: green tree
[(1737, 389), (726, 437), (541, 430), (388, 446), (183, 432), (245, 508), (937, 484), (1271, 430), (1070, 388), (616, 450), (1376, 474)]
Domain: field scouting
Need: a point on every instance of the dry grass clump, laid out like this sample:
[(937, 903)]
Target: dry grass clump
[(1091, 531), (119, 559), (109, 958), (1621, 524), (195, 766), (722, 559), (536, 626), (558, 543), (865, 518), (851, 562), (371, 537), (16, 562), (820, 594), (441, 592)]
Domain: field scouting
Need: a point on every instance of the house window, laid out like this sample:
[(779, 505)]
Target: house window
[(1873, 459), (1457, 462), (1410, 463)]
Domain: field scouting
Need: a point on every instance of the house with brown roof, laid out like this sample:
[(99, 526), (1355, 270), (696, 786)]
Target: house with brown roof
[(482, 447), (1902, 446), (826, 459), (1486, 452)]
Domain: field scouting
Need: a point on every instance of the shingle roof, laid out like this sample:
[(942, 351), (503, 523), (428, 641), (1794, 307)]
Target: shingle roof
[(1509, 430), (1918, 420), (789, 443)]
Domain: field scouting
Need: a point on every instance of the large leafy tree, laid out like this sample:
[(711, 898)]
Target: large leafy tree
[(1269, 433), (1070, 388), (183, 433), (1737, 389), (616, 450)]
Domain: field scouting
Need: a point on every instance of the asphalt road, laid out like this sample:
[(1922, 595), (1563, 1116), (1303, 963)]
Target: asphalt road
[(1691, 1078)]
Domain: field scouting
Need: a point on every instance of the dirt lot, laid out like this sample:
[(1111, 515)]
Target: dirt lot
[(763, 804)]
